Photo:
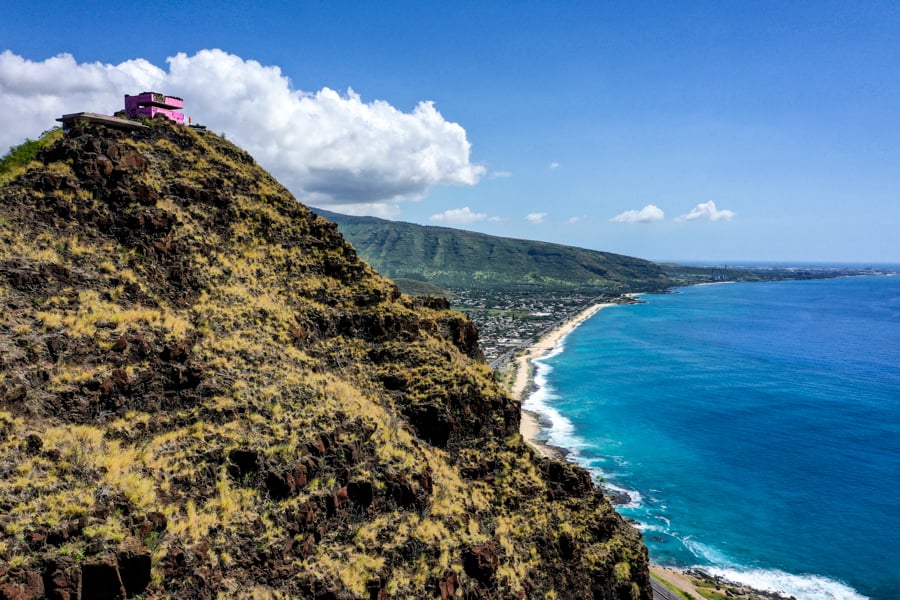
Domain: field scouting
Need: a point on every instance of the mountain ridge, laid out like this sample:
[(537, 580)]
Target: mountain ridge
[(451, 257), (205, 392)]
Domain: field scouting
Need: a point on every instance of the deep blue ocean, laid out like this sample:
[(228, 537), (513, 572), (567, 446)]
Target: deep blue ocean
[(755, 427)]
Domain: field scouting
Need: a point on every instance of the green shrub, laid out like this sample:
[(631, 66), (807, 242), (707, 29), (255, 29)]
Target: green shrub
[(24, 153)]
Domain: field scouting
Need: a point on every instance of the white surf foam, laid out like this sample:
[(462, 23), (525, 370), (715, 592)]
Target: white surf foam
[(560, 431), (703, 551), (635, 500), (645, 527), (803, 587)]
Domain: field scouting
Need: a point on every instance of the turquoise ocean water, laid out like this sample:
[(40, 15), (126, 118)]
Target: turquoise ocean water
[(755, 427)]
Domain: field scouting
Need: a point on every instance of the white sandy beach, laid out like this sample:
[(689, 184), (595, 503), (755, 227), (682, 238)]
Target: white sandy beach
[(530, 427)]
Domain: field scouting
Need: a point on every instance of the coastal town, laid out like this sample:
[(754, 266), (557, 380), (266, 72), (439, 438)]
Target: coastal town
[(509, 320)]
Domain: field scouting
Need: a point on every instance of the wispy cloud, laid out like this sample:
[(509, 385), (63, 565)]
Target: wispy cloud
[(382, 210), (500, 174), (707, 211), (459, 216), (648, 214), (536, 218), (554, 165), (329, 148), (573, 220)]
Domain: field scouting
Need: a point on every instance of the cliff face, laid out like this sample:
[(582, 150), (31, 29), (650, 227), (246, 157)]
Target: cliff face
[(205, 392)]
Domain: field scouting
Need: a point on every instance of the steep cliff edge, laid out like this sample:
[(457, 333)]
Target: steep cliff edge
[(204, 392)]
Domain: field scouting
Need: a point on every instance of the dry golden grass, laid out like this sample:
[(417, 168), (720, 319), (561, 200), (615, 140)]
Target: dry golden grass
[(265, 389)]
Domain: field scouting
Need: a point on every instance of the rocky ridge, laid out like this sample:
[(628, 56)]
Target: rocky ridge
[(205, 392)]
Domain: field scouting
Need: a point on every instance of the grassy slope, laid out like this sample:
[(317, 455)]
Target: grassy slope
[(457, 258), (205, 392)]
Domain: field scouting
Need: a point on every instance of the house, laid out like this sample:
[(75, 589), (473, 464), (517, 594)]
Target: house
[(151, 104), (143, 105)]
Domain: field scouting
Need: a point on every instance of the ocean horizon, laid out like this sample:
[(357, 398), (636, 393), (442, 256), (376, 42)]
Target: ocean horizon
[(754, 428)]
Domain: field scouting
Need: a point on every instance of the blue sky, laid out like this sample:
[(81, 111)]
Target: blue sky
[(719, 131)]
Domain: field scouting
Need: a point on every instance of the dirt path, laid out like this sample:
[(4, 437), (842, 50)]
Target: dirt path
[(676, 579)]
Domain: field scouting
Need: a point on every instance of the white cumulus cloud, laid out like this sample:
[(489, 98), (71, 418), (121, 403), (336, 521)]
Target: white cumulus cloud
[(536, 218), (648, 214), (329, 148), (383, 210), (707, 211), (33, 94), (458, 216)]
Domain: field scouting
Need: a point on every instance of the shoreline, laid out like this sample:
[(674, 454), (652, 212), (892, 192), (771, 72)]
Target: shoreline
[(531, 424), (523, 385)]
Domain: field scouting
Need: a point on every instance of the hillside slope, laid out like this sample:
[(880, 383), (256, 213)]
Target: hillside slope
[(205, 393), (457, 258)]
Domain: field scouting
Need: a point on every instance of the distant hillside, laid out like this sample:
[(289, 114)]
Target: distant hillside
[(455, 258), (692, 275)]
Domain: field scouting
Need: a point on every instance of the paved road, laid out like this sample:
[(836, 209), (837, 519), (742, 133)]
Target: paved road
[(660, 592)]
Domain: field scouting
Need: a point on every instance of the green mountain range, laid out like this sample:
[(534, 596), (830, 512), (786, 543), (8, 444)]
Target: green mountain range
[(455, 258), (424, 259)]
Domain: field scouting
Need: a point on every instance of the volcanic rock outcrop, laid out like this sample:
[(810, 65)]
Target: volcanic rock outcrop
[(205, 393)]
